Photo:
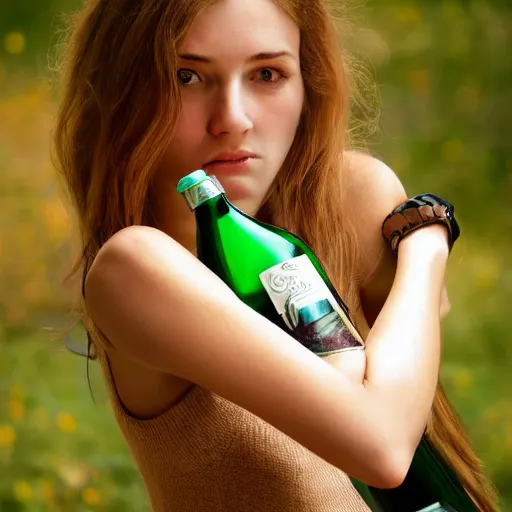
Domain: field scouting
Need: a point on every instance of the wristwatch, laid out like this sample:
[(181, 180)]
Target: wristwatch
[(417, 212)]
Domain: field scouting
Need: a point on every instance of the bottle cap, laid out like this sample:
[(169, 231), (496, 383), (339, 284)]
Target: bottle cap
[(190, 180), (197, 188)]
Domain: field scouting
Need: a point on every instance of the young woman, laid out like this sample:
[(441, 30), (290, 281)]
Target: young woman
[(222, 410)]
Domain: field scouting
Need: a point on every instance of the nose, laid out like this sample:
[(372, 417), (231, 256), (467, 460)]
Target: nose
[(229, 114)]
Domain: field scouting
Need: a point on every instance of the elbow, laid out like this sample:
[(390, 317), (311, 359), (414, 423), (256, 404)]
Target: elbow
[(393, 443), (392, 475), (394, 463)]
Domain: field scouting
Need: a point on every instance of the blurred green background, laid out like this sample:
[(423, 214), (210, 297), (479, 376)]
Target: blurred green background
[(444, 73)]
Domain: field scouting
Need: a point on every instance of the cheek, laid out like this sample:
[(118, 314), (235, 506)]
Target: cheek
[(187, 138), (190, 125), (283, 118)]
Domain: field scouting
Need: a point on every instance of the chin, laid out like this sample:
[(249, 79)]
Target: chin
[(238, 193), (244, 193), (248, 205)]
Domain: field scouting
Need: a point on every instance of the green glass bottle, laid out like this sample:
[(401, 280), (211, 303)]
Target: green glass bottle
[(269, 269), (277, 274)]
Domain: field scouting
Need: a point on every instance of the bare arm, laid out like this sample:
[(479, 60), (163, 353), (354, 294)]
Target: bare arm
[(403, 347), (375, 190), (161, 307), (375, 185)]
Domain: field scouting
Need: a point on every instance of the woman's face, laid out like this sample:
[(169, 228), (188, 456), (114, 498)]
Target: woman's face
[(241, 98)]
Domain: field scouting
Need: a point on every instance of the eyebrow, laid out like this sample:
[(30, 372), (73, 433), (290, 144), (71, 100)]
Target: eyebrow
[(252, 58)]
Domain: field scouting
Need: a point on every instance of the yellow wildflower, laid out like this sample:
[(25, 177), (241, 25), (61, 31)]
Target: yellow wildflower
[(66, 422), (16, 410), (23, 492), (75, 475), (91, 496), (7, 435), (14, 43)]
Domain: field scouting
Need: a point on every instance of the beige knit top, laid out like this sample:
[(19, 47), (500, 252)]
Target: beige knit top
[(206, 454)]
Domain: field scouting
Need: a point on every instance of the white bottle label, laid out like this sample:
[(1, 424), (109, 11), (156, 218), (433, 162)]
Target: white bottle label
[(301, 296)]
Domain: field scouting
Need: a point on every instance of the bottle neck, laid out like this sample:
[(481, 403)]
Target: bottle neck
[(202, 192)]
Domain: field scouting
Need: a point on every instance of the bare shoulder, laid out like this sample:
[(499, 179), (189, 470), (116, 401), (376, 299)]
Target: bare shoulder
[(128, 267), (373, 190), (121, 257), (131, 264), (128, 245), (132, 249), (118, 287), (372, 186)]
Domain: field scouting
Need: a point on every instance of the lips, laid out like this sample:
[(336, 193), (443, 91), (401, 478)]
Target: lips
[(235, 161), (230, 158)]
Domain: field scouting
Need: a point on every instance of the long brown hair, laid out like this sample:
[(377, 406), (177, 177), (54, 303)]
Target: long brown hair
[(119, 104)]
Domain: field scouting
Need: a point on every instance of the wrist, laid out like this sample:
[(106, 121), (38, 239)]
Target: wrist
[(429, 239), (427, 245)]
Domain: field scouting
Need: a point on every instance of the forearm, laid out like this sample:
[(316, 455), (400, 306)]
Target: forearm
[(403, 346), (147, 295)]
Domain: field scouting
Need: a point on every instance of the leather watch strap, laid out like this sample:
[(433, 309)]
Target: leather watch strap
[(416, 213)]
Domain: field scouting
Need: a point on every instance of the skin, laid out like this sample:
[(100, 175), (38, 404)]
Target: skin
[(155, 355)]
